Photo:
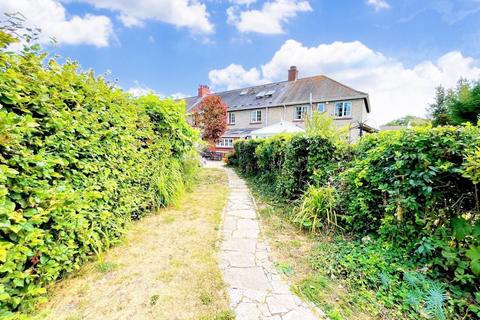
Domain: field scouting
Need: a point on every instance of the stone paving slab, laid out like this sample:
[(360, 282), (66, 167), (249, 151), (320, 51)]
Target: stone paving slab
[(255, 289)]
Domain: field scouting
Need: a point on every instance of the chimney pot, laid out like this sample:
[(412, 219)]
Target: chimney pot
[(203, 90), (292, 73)]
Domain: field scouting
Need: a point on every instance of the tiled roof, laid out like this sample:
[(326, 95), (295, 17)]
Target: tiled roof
[(321, 89), (240, 133)]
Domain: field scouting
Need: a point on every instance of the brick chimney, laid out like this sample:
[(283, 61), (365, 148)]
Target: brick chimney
[(203, 90), (292, 73)]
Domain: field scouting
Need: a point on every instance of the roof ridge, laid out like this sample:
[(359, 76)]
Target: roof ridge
[(278, 82)]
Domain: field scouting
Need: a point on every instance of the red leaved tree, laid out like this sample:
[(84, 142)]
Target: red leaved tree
[(211, 117)]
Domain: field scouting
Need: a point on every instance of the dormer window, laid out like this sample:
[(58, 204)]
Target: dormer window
[(269, 93), (260, 94)]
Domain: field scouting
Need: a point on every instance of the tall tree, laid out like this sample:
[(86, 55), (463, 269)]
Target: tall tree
[(211, 117), (439, 110), (465, 106)]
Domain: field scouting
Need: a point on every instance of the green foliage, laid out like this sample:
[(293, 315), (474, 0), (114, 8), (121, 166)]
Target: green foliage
[(390, 272), (322, 125), (458, 105), (465, 104), (404, 181), (79, 158), (317, 209), (288, 163), (439, 109), (409, 120)]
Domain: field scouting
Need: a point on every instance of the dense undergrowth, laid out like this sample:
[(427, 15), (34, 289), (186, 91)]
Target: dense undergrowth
[(402, 208), (79, 158)]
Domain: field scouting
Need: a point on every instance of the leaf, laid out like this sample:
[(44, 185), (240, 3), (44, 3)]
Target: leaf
[(475, 266), (461, 228), (473, 253), (476, 230)]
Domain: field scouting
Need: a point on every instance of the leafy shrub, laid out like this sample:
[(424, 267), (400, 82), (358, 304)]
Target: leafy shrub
[(317, 209), (246, 157), (410, 181), (79, 158)]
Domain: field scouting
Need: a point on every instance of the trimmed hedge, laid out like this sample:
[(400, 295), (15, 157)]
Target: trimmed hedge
[(288, 163), (79, 159)]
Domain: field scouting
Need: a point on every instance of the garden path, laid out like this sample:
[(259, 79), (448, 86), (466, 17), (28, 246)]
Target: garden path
[(255, 288)]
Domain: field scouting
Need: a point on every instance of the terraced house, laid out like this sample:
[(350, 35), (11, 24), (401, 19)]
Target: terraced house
[(288, 103)]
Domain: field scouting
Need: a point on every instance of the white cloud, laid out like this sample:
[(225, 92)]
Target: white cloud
[(181, 13), (395, 90), (235, 76), (269, 19), (139, 90), (243, 2), (52, 18), (378, 4)]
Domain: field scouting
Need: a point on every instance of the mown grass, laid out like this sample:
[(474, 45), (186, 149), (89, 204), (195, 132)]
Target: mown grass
[(166, 267)]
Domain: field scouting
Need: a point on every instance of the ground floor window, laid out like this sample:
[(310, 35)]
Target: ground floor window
[(225, 143)]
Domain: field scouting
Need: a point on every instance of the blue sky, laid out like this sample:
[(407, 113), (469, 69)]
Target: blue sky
[(397, 51)]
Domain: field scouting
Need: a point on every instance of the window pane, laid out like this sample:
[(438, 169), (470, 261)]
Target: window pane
[(297, 113), (321, 107), (338, 109), (347, 109)]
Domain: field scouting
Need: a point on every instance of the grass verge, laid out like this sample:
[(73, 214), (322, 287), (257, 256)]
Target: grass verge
[(166, 267)]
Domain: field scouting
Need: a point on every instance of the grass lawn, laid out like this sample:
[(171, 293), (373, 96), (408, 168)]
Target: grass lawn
[(166, 267)]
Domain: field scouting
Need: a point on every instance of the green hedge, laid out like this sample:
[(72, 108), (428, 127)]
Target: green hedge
[(411, 180), (288, 163), (79, 158)]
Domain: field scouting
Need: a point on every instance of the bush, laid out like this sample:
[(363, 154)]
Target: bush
[(410, 180), (317, 209), (79, 158)]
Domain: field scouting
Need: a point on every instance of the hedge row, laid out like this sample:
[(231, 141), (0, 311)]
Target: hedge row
[(288, 163), (79, 159), (414, 189)]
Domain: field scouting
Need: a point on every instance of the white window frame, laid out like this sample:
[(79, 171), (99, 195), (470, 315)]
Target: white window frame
[(343, 109), (300, 115), (225, 143), (256, 116), (321, 107), (231, 118)]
